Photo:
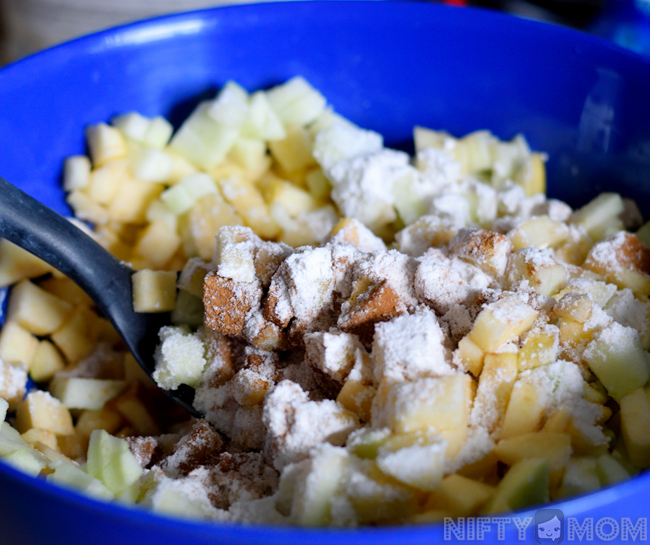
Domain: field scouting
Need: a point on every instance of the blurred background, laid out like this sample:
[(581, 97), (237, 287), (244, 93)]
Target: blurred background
[(29, 25)]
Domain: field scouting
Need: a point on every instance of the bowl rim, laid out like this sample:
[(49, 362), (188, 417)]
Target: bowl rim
[(176, 23)]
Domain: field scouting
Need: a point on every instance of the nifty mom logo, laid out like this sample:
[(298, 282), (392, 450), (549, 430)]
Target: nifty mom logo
[(548, 526)]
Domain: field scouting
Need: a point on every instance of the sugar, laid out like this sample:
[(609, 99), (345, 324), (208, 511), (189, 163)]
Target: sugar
[(409, 347), (13, 382), (363, 186), (295, 424)]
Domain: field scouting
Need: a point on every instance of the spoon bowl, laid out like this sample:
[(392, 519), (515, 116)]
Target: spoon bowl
[(48, 235)]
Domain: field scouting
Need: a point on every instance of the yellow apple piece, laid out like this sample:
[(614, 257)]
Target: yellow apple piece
[(249, 204), (85, 393), (135, 411), (156, 245), (438, 404), (13, 383), (66, 289), (154, 291), (459, 496), (600, 216), (635, 427), (36, 435), (76, 337), (502, 321), (17, 345), (86, 209), (76, 172), (35, 309), (553, 447), (538, 268), (105, 143), (17, 264), (294, 152), (47, 361), (131, 203), (494, 387), (41, 410), (524, 412), (541, 347), (105, 182)]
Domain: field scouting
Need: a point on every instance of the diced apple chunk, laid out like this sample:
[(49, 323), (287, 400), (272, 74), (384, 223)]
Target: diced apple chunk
[(538, 268), (17, 345), (105, 182), (439, 404), (157, 244), (539, 232), (553, 447), (202, 140), (296, 101), (249, 204), (319, 479), (66, 289), (151, 164), (540, 348), (40, 410), (532, 174), (110, 460), (135, 411), (524, 485), (28, 460), (180, 358), (377, 497), (500, 322), (76, 172), (416, 459), (132, 125), (494, 388), (235, 253), (154, 291), (10, 439), (37, 435), (46, 362), (205, 219), (459, 495), (635, 427), (131, 203), (471, 355), (294, 151), (105, 143), (293, 199), (17, 264), (35, 309), (76, 337), (487, 250), (85, 393), (13, 383), (580, 477), (618, 359), (89, 421), (601, 213), (67, 474), (524, 412), (610, 471), (622, 260)]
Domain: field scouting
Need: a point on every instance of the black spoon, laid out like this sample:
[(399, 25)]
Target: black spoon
[(48, 235)]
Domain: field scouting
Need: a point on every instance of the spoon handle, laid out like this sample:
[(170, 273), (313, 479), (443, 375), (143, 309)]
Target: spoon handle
[(48, 235), (42, 232)]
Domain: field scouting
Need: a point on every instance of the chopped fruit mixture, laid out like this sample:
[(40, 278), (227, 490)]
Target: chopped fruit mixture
[(373, 338)]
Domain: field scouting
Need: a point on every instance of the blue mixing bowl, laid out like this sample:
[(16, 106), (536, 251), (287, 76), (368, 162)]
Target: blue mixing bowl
[(385, 65)]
